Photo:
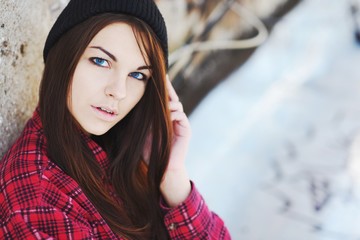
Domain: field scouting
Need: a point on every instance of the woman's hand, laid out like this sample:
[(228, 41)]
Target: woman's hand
[(181, 131), (175, 186)]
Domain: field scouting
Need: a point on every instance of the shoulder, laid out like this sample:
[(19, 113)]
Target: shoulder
[(22, 168), (27, 154)]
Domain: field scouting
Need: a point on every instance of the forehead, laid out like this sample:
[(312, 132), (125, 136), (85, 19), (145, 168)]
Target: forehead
[(120, 40)]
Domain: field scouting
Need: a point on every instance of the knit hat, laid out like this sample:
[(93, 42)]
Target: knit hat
[(78, 11)]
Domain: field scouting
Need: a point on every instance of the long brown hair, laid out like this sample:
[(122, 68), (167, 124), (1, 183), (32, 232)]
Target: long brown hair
[(135, 183)]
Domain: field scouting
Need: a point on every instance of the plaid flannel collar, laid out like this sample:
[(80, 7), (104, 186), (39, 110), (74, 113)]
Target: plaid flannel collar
[(97, 150)]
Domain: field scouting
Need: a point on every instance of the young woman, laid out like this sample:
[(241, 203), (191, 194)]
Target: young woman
[(103, 155)]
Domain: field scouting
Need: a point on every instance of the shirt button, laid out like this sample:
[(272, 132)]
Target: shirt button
[(172, 226)]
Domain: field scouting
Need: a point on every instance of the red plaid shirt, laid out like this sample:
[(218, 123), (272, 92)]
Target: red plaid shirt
[(39, 201)]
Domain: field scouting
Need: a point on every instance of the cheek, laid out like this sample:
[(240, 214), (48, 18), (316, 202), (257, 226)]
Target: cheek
[(85, 85), (137, 90), (140, 93)]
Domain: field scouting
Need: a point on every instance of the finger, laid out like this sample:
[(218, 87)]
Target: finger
[(172, 94), (181, 124), (176, 106), (180, 117)]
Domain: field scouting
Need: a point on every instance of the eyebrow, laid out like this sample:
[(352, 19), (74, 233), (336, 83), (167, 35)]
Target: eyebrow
[(144, 67), (114, 58), (106, 52)]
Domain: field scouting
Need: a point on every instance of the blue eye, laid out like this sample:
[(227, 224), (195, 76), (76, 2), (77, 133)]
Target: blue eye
[(138, 75), (99, 61)]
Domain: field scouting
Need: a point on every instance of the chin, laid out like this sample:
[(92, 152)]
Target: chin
[(97, 131)]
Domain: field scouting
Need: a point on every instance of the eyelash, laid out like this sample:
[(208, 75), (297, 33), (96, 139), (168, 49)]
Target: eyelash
[(95, 60), (142, 78)]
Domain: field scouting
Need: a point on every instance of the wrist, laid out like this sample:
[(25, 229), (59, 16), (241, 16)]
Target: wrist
[(175, 187)]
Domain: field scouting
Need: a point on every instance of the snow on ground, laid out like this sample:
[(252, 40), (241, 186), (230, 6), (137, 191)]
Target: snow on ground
[(276, 147)]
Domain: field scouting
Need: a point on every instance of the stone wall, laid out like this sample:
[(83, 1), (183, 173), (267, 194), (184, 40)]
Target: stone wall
[(23, 29)]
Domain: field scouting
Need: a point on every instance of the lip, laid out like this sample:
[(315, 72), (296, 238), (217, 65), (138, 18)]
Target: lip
[(104, 115)]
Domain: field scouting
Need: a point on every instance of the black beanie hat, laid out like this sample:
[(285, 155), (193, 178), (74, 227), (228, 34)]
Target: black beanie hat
[(78, 11)]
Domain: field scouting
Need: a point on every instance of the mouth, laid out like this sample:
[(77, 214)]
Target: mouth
[(106, 110)]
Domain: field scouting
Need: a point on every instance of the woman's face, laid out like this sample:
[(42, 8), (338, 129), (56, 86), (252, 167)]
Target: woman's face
[(109, 79)]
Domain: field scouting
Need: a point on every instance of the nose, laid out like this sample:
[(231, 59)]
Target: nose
[(116, 87)]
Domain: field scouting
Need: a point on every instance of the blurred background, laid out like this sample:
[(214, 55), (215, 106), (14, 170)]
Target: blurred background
[(276, 144), (271, 89)]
